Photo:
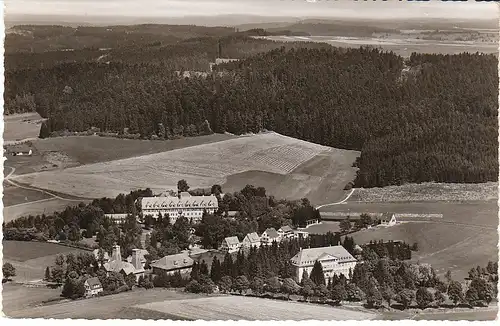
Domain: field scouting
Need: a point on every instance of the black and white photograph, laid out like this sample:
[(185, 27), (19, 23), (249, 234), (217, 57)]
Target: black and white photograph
[(250, 160)]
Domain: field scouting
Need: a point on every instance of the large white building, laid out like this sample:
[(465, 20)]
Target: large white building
[(335, 260), (191, 207)]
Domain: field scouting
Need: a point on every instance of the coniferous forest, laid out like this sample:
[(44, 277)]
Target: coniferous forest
[(425, 118)]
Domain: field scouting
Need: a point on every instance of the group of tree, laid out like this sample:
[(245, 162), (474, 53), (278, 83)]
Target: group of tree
[(398, 118), (8, 271)]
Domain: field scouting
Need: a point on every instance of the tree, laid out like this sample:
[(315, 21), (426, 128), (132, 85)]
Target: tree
[(289, 287), (257, 285), (483, 288), (241, 284), (215, 270), (273, 285), (439, 297), (472, 296), (455, 292), (405, 297), (130, 281), (73, 286), (8, 271), (47, 274), (207, 285), (193, 287), (182, 186), (321, 292), (339, 293), (226, 283), (354, 293), (44, 130), (387, 294), (373, 295), (424, 297), (345, 225), (317, 275)]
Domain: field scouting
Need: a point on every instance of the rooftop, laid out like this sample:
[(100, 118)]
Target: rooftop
[(171, 262), (272, 233), (94, 282), (231, 241), (253, 237), (176, 202), (309, 256)]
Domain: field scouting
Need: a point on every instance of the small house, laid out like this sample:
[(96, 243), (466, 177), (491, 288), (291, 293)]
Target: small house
[(230, 244), (92, 287), (286, 232), (251, 240), (269, 236)]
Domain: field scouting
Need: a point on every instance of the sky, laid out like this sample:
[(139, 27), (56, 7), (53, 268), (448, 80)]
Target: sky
[(275, 8)]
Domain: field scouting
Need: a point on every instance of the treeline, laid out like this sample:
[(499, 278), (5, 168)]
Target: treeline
[(437, 123)]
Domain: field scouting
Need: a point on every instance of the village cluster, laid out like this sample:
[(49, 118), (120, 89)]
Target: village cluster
[(335, 260)]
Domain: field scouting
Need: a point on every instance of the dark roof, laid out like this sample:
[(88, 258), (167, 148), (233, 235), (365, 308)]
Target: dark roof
[(271, 233)]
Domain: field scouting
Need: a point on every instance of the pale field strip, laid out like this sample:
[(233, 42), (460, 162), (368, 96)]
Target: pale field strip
[(250, 308), (201, 166), (429, 191)]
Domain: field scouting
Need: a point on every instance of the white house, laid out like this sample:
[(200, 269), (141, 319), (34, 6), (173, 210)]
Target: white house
[(251, 240), (230, 244), (269, 236), (286, 232), (191, 207), (389, 221), (116, 264), (92, 287), (335, 260)]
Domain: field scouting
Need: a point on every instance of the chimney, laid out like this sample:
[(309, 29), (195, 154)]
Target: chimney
[(136, 260), (116, 255)]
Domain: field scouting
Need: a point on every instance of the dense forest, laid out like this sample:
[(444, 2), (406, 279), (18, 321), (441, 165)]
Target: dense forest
[(427, 118)]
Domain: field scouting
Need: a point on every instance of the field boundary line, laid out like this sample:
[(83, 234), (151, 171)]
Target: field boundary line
[(338, 203), (31, 202), (15, 184)]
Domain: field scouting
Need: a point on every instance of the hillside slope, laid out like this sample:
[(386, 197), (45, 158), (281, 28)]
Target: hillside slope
[(288, 167)]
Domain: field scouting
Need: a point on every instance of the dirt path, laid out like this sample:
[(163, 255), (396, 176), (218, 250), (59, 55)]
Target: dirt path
[(337, 203), (53, 195)]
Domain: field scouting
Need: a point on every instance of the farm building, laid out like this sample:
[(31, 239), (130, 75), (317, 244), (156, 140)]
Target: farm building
[(116, 264), (173, 263), (20, 150), (251, 240), (335, 260), (92, 287), (389, 219), (230, 245), (191, 207), (269, 236)]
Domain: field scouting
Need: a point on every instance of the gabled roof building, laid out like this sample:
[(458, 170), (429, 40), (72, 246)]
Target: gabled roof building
[(269, 236), (335, 260), (251, 240), (185, 204), (173, 263), (230, 244)]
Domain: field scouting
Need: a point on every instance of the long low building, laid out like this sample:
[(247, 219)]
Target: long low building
[(191, 207)]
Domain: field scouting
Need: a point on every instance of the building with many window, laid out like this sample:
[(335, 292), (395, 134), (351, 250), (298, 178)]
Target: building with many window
[(191, 207), (335, 260)]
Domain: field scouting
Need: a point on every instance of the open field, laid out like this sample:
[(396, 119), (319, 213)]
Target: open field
[(21, 126), (324, 227), (428, 192), (14, 196), (31, 258), (479, 314), (44, 206), (466, 235), (108, 307), (62, 152), (249, 308), (19, 297), (299, 164), (400, 46)]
